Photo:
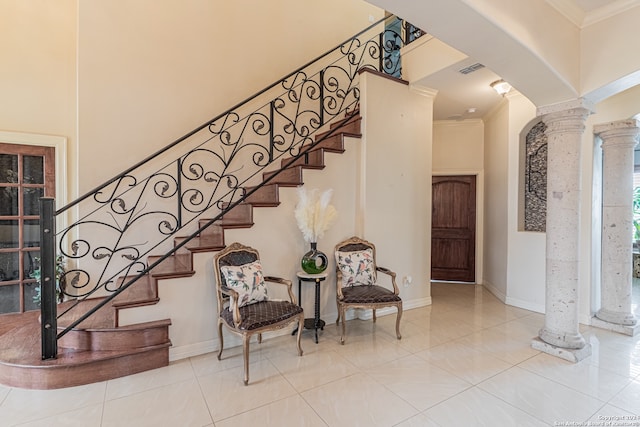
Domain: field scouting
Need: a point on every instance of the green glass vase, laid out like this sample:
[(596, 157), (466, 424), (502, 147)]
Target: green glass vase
[(314, 261)]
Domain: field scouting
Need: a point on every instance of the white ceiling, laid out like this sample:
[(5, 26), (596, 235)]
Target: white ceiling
[(459, 94)]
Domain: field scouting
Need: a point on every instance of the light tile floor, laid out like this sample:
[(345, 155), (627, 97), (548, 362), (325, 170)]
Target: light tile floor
[(466, 360)]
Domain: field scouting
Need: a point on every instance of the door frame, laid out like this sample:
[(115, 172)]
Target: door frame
[(479, 174), (60, 145), (66, 171)]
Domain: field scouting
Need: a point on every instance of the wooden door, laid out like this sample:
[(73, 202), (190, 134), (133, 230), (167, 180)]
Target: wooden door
[(453, 228), (27, 173)]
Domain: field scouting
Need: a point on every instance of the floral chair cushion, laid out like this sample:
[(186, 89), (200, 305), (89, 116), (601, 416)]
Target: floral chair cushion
[(357, 267), (248, 281)]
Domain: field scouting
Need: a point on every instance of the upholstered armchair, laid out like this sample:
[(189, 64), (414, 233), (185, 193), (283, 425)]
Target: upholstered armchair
[(244, 306), (356, 281)]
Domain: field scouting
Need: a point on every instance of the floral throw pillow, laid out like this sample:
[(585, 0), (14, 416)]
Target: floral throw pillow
[(248, 281), (357, 267)]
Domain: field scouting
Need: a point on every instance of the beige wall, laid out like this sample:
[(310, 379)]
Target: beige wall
[(37, 77), (542, 29), (607, 60), (526, 250), (396, 203), (38, 74), (458, 145), (514, 259), (496, 168), (168, 67)]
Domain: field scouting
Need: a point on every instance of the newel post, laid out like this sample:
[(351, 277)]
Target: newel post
[(48, 302)]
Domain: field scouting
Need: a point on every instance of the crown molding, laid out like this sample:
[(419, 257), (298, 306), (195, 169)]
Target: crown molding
[(570, 10), (609, 10), (573, 12)]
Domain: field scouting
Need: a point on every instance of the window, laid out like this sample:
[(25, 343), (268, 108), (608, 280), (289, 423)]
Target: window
[(27, 173)]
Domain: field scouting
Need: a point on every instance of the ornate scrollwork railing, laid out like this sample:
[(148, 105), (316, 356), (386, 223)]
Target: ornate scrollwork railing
[(209, 171)]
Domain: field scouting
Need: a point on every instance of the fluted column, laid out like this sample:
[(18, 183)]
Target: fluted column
[(618, 142), (560, 335)]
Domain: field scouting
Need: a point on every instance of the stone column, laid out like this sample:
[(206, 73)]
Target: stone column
[(618, 142), (560, 335)]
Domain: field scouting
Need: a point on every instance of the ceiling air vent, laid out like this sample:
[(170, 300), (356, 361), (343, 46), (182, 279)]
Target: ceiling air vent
[(471, 68)]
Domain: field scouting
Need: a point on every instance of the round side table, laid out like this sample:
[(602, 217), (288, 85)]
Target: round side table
[(315, 322)]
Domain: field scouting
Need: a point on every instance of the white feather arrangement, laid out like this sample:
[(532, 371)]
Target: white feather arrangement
[(313, 213)]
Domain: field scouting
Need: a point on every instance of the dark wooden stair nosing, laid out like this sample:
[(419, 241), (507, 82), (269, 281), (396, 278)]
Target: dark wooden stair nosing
[(135, 303)]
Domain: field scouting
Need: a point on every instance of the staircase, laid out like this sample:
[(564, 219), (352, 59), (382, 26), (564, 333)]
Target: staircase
[(98, 348), (145, 224)]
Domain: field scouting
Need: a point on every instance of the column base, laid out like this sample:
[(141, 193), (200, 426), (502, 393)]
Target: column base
[(570, 354), (619, 318), (562, 339), (615, 327)]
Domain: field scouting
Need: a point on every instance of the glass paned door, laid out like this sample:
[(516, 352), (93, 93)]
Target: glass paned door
[(26, 174)]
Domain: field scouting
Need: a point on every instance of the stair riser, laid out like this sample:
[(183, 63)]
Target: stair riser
[(351, 127), (333, 144), (314, 158), (105, 340), (267, 195), (240, 213), (288, 178)]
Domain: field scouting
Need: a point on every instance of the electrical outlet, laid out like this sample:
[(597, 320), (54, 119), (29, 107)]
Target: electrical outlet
[(406, 281)]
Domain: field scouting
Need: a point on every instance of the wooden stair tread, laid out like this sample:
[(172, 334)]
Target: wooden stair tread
[(142, 325)]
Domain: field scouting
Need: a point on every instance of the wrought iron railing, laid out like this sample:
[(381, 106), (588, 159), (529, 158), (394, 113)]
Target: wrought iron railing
[(206, 173), (410, 32)]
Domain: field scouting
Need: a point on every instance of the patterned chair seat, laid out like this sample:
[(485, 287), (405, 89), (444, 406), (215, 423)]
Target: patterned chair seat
[(368, 294), (262, 314)]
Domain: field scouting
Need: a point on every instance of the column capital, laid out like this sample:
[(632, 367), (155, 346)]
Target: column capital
[(621, 132), (566, 117), (569, 108)]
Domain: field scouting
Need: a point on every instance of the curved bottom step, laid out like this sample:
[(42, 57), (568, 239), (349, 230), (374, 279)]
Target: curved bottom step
[(21, 364), (140, 335), (73, 368)]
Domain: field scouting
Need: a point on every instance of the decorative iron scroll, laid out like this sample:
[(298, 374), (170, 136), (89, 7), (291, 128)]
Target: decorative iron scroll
[(212, 169), (411, 32), (535, 189)]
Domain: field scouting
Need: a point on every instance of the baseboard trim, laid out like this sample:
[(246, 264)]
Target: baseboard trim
[(525, 305), (515, 302), (495, 291)]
